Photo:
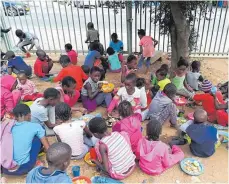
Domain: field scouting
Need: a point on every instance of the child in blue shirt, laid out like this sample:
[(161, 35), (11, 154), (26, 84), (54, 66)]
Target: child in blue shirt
[(117, 45), (58, 157), (92, 55), (113, 60)]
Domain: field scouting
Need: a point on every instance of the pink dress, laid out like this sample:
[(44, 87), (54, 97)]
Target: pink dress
[(148, 46), (132, 126), (155, 156)]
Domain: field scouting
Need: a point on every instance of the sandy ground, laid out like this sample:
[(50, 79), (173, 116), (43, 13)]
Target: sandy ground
[(215, 167)]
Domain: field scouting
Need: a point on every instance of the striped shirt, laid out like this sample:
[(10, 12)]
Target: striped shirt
[(119, 152)]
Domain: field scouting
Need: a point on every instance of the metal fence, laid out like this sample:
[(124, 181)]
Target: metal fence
[(58, 22)]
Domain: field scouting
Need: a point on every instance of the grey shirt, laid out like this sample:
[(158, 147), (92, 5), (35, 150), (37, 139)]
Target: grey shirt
[(94, 87), (193, 79), (92, 35)]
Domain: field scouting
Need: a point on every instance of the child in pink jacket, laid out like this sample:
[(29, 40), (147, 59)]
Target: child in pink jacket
[(130, 123), (155, 156)]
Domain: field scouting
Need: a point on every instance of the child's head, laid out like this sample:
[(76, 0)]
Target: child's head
[(195, 66), (63, 112), (19, 33), (68, 84), (130, 82), (182, 65), (165, 67), (58, 156), (22, 78), (94, 46), (9, 55), (52, 96), (153, 130), (140, 82), (141, 33), (132, 62), (170, 90), (95, 73), (200, 116), (41, 55), (64, 61), (114, 37), (90, 25), (206, 86), (86, 69), (125, 109), (22, 112), (161, 74), (98, 127), (68, 47), (110, 51)]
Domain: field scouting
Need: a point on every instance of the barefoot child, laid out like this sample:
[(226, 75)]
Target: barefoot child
[(91, 93), (110, 148), (155, 156), (72, 54), (58, 159)]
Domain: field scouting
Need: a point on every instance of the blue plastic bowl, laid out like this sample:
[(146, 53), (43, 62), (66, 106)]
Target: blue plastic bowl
[(182, 165), (225, 134)]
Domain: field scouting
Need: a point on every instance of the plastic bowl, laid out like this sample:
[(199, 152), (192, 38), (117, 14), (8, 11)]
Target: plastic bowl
[(107, 88), (190, 116), (180, 101), (182, 165), (87, 159), (225, 134), (75, 179)]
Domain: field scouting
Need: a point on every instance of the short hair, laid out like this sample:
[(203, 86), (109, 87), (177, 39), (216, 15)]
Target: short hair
[(51, 93), (170, 89), (130, 58), (110, 51), (182, 62), (67, 81), (9, 55), (195, 65), (40, 52), (132, 77), (162, 72), (154, 129), (58, 153), (86, 69), (68, 46), (140, 82), (63, 111), (90, 25), (19, 32), (64, 60), (95, 69), (141, 32), (200, 116), (21, 110), (97, 125), (125, 109), (165, 67), (22, 74), (114, 35), (94, 46)]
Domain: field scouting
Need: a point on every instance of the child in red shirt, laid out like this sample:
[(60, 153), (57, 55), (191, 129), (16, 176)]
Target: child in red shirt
[(69, 69), (71, 53), (43, 64)]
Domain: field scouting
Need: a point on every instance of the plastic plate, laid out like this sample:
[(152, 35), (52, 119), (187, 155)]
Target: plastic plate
[(225, 134), (180, 101), (80, 178), (184, 164), (87, 117), (87, 159), (107, 88)]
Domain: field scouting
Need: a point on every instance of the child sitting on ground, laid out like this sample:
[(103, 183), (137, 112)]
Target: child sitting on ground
[(72, 54), (117, 161), (92, 33), (117, 45), (178, 79), (28, 88), (147, 48), (70, 70), (58, 159), (16, 64), (4, 70), (43, 64), (91, 94), (153, 76), (27, 140), (194, 77), (93, 55), (72, 132), (130, 123), (207, 100), (43, 110), (86, 69), (113, 60), (129, 67), (155, 156)]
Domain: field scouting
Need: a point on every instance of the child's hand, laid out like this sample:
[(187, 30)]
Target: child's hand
[(83, 110), (100, 86)]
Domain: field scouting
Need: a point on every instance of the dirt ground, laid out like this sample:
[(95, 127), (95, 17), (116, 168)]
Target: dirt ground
[(215, 167)]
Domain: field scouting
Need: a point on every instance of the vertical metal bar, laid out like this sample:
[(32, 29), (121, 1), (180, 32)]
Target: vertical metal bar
[(159, 34), (218, 28), (140, 14), (150, 20), (85, 22), (104, 28), (56, 27), (32, 22), (96, 11), (61, 21), (5, 37), (213, 25), (223, 29), (38, 26), (198, 29), (201, 38), (194, 19), (108, 11), (90, 11), (146, 3), (44, 25), (25, 18), (168, 43), (74, 30), (136, 28), (13, 15), (154, 21), (129, 25), (18, 13), (121, 22), (80, 29), (206, 40), (115, 16), (225, 39), (66, 14)]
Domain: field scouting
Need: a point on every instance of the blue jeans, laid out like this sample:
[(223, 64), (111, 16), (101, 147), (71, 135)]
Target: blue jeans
[(100, 179), (25, 168), (103, 97), (141, 60)]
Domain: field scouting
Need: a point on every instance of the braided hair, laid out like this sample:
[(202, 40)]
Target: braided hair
[(125, 109), (63, 111), (153, 129)]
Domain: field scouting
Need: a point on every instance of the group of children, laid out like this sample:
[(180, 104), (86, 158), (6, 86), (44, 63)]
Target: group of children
[(137, 99)]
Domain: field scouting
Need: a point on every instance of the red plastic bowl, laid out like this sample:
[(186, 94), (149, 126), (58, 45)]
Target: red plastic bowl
[(181, 101), (81, 178)]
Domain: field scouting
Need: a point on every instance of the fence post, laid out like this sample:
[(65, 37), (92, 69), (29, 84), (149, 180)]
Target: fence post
[(129, 25), (6, 44)]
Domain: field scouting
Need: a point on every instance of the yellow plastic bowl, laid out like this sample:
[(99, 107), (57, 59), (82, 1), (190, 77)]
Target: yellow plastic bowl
[(87, 159), (107, 88)]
